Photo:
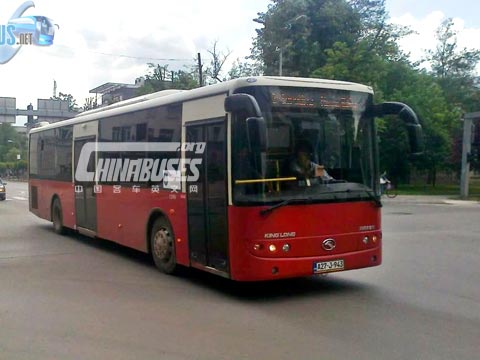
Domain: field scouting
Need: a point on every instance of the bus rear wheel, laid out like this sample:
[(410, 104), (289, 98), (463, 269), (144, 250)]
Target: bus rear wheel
[(162, 246), (57, 217)]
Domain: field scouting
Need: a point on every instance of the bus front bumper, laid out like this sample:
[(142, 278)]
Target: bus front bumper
[(253, 268)]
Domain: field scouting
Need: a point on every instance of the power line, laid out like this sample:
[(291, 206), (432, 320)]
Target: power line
[(141, 57), (192, 59)]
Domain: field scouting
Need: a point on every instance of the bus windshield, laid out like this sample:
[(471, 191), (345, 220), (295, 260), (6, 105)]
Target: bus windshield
[(320, 148)]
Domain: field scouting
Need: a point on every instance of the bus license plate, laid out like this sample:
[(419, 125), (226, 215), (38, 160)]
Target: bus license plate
[(328, 266)]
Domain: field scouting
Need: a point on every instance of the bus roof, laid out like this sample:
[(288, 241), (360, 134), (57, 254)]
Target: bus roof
[(170, 97)]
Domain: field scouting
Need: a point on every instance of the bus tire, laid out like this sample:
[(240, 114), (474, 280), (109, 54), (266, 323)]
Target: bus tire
[(57, 217), (162, 245)]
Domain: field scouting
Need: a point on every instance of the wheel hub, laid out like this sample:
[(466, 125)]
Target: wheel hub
[(162, 245)]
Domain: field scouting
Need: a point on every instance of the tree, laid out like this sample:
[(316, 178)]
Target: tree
[(375, 30), (159, 78), (305, 32), (217, 61), (12, 144), (72, 103), (353, 63), (454, 71), (90, 103), (438, 119), (155, 79), (185, 80), (454, 68), (244, 68), (449, 61), (10, 139), (299, 31)]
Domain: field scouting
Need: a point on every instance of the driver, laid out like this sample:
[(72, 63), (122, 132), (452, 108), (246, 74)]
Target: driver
[(303, 168)]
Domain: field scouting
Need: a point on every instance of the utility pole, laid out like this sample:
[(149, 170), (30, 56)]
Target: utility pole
[(280, 66), (200, 75), (468, 127)]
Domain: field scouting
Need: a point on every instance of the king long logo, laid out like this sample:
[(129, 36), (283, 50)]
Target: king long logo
[(329, 244)]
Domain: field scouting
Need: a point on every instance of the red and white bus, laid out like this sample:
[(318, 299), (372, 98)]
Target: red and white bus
[(238, 209)]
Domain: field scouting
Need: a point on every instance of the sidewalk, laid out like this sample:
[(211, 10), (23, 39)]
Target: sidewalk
[(429, 199)]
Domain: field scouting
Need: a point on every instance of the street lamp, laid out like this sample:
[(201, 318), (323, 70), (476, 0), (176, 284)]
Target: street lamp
[(280, 61), (288, 26)]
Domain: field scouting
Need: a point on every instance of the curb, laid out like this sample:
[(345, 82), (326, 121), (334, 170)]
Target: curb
[(432, 199)]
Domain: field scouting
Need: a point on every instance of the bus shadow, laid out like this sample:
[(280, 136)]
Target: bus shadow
[(103, 245), (246, 291), (276, 290)]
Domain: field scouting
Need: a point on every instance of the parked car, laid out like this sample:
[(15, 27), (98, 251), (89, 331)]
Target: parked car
[(3, 190)]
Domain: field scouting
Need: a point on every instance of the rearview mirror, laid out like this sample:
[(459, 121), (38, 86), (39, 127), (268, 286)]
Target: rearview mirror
[(405, 113), (415, 138), (242, 102)]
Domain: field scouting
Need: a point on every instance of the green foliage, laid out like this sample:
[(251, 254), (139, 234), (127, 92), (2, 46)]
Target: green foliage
[(11, 144), (160, 78), (13, 168), (306, 32), (375, 30), (438, 119), (449, 61), (302, 30), (245, 69), (90, 103), (454, 68), (72, 103), (353, 41), (185, 80), (352, 63)]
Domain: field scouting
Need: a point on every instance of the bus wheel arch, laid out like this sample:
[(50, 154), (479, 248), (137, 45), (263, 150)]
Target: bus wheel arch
[(56, 215), (161, 242)]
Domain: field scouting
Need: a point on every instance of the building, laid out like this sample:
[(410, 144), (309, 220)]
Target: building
[(48, 110), (115, 92)]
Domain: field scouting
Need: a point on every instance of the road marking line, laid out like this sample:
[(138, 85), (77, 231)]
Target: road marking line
[(19, 198)]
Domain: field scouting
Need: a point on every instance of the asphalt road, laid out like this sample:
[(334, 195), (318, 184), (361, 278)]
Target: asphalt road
[(77, 298)]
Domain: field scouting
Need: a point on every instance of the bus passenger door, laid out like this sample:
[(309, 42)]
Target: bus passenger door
[(85, 199), (207, 197)]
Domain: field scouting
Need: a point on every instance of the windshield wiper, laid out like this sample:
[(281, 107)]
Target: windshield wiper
[(371, 196), (283, 203)]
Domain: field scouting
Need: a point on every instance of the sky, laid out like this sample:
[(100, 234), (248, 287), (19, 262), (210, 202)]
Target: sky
[(110, 41)]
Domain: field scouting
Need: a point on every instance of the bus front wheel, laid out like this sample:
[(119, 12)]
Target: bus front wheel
[(57, 217), (162, 246)]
